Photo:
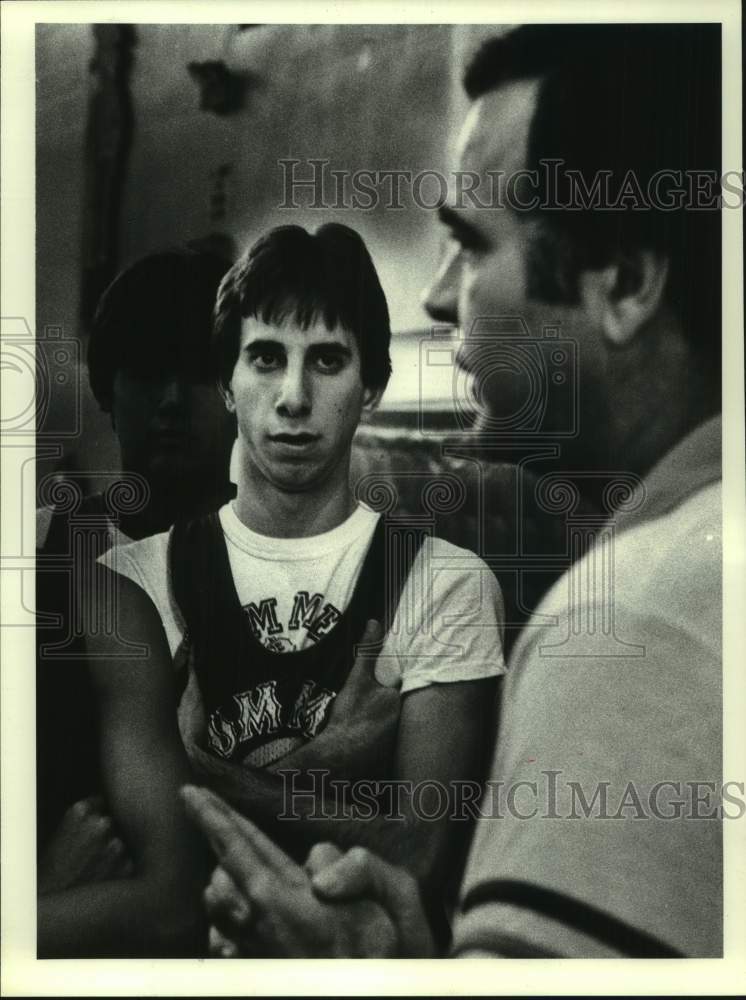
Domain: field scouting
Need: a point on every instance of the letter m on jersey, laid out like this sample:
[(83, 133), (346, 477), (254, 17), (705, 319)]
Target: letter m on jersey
[(263, 619), (258, 714), (258, 711), (310, 708)]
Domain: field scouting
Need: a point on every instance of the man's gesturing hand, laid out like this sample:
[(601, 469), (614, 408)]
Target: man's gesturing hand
[(266, 906)]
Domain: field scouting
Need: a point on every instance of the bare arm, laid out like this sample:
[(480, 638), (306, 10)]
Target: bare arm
[(156, 911)]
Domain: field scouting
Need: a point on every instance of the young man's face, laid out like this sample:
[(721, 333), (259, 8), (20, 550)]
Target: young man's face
[(298, 396), (486, 267)]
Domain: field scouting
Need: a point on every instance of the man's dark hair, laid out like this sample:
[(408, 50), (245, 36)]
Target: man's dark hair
[(290, 273), (155, 317), (621, 97)]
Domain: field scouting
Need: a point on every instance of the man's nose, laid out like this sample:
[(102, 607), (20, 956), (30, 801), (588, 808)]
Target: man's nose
[(294, 396), (440, 299)]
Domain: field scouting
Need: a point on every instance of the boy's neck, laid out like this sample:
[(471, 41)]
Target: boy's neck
[(292, 515)]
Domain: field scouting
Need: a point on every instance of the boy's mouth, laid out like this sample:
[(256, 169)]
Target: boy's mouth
[(300, 440)]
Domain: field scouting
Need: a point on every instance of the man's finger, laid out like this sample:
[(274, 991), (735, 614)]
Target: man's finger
[(349, 877), (321, 856), (233, 923), (95, 803), (362, 874), (238, 844), (220, 945), (229, 897)]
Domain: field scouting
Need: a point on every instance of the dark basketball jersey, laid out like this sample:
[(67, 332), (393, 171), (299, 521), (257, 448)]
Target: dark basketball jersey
[(252, 696)]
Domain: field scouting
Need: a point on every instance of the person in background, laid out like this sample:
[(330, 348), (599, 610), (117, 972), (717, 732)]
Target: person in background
[(148, 365), (631, 715)]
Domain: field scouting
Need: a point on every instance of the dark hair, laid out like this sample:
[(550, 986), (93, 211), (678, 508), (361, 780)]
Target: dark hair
[(327, 275), (155, 316), (621, 98)]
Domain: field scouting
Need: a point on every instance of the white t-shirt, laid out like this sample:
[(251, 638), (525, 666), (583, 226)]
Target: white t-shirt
[(450, 617)]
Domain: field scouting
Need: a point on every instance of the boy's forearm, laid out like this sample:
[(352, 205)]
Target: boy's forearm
[(301, 807)]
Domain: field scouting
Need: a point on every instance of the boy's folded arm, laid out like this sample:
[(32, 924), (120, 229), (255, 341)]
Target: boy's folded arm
[(156, 911), (440, 746)]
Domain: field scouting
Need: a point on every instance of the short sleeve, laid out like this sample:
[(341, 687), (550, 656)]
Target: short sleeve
[(449, 623), (145, 562)]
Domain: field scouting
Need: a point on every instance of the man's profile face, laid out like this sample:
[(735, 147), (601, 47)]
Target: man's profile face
[(298, 395), (486, 267)]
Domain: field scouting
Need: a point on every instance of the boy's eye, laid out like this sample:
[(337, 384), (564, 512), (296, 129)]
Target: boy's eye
[(265, 360), (329, 363)]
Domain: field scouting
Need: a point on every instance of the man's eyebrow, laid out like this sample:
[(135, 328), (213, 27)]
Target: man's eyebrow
[(459, 226)]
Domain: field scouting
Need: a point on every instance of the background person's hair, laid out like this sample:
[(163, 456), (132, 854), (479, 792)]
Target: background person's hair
[(155, 318), (290, 273), (619, 98)]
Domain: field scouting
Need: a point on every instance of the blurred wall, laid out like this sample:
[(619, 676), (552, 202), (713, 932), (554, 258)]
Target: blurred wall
[(362, 97)]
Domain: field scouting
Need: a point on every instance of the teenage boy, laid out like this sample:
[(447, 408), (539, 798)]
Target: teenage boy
[(256, 611)]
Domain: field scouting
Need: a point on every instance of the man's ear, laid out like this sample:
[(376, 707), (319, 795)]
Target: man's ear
[(372, 397), (227, 393), (624, 296)]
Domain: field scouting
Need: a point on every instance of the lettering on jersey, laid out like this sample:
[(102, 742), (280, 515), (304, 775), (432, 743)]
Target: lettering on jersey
[(305, 609), (260, 713), (310, 708), (308, 611), (280, 644), (263, 619), (325, 621), (220, 735)]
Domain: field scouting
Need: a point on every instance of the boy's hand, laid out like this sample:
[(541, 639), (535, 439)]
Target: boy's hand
[(84, 849)]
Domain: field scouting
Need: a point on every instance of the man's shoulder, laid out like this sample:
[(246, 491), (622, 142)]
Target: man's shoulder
[(661, 577), (671, 567)]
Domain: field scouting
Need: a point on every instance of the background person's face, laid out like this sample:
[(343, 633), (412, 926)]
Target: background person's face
[(485, 271), (171, 426), (298, 396)]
